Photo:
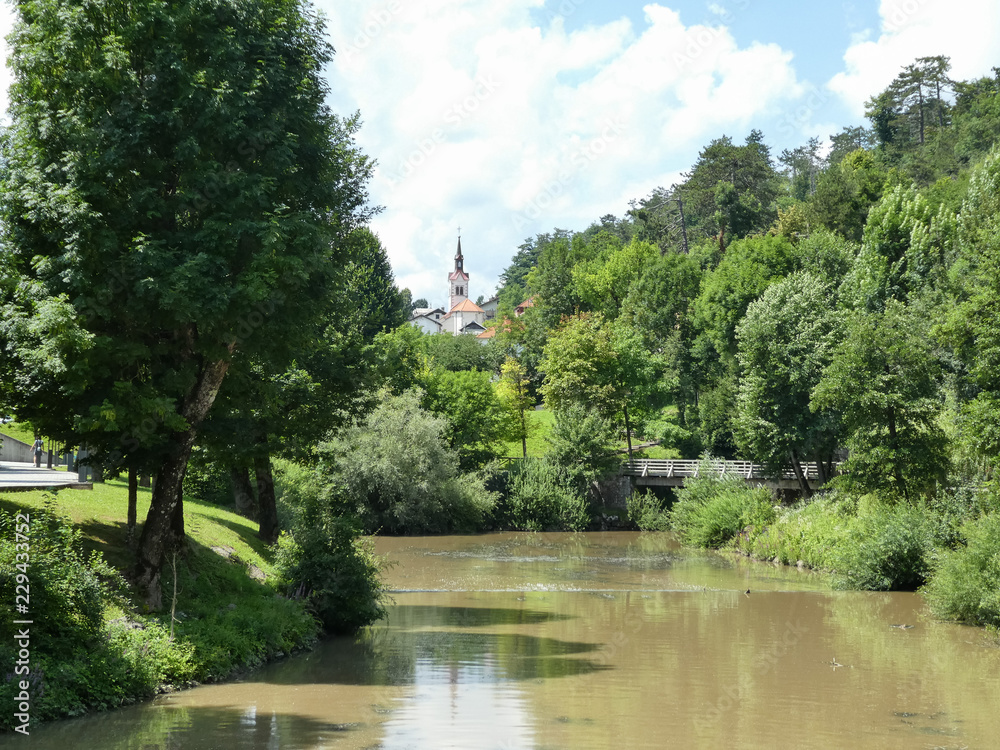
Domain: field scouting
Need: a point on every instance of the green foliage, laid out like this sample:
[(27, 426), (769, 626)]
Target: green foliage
[(582, 443), (396, 471), (512, 390), (542, 496), (883, 381), (731, 190), (647, 512), (747, 269), (323, 560), (808, 532), (846, 191), (455, 353), (477, 419), (712, 509), (603, 283), (785, 341), (602, 366), (964, 583), (886, 547), (86, 652)]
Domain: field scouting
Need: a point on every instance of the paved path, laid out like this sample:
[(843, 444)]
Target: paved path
[(18, 476)]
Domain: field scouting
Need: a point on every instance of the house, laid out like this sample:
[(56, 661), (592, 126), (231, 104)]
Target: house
[(490, 307)]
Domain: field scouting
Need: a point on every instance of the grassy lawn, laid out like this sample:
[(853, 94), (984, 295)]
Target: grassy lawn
[(18, 431), (542, 420), (101, 515), (540, 423)]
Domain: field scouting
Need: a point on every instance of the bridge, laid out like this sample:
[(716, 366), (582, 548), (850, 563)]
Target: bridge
[(671, 472)]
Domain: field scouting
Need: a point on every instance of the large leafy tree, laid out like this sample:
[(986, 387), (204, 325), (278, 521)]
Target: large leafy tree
[(731, 190), (604, 367), (786, 339), (176, 190), (884, 381)]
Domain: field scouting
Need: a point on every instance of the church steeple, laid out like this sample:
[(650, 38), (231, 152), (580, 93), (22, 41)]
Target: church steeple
[(458, 280)]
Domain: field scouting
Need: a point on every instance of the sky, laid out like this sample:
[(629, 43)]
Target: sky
[(514, 118)]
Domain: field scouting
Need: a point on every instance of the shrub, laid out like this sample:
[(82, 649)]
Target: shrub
[(323, 560), (86, 652), (806, 532), (712, 509), (582, 442), (646, 511), (542, 496), (963, 585), (886, 547), (396, 472)]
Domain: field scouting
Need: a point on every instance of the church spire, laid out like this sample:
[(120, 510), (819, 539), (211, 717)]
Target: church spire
[(459, 260)]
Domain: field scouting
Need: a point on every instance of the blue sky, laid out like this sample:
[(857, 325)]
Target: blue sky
[(512, 118)]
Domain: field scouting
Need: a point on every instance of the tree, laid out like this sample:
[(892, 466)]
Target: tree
[(972, 327), (514, 394), (731, 190), (176, 192), (786, 339), (748, 268), (603, 367), (659, 307), (603, 283), (396, 471), (477, 420), (883, 381), (802, 166), (846, 191)]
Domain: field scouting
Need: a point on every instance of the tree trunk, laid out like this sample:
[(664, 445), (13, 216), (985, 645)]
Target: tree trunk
[(524, 436), (243, 497), (98, 470), (800, 475), (145, 481), (628, 432), (177, 521), (169, 479), (133, 500), (265, 494)]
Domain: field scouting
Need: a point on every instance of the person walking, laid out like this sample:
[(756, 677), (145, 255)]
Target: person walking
[(37, 448)]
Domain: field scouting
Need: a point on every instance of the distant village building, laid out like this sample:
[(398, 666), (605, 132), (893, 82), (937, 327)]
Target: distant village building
[(464, 316)]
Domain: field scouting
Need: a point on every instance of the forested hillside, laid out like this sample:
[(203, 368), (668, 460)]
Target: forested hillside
[(794, 306)]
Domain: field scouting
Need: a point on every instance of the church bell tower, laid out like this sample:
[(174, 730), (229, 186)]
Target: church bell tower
[(458, 280)]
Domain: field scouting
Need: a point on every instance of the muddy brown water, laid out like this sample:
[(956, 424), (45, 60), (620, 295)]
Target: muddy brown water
[(600, 640)]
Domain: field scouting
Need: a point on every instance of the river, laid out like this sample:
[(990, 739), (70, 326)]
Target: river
[(598, 640)]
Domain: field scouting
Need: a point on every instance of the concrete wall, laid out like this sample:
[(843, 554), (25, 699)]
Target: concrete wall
[(18, 452)]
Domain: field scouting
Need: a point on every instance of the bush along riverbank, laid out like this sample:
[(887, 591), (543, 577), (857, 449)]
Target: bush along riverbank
[(231, 602), (946, 546)]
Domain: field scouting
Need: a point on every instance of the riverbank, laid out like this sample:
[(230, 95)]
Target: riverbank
[(946, 546), (94, 648)]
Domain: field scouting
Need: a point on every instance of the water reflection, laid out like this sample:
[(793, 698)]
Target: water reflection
[(595, 641)]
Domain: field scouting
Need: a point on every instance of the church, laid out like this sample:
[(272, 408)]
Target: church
[(464, 317)]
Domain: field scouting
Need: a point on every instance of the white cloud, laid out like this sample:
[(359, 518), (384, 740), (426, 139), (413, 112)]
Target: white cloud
[(963, 30), (513, 118), (482, 117)]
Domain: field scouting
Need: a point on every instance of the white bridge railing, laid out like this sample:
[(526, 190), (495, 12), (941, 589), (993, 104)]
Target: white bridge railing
[(679, 467)]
